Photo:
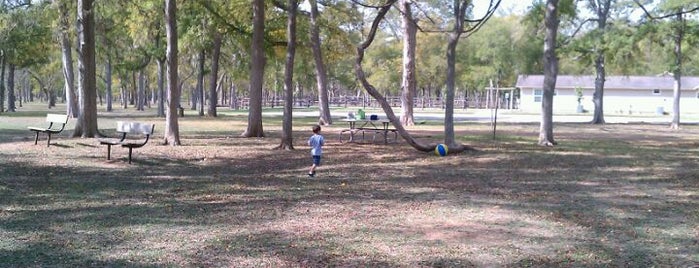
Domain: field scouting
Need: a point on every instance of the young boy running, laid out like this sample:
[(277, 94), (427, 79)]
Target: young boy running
[(316, 142)]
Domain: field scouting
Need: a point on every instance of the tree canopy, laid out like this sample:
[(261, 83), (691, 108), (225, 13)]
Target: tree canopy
[(131, 38)]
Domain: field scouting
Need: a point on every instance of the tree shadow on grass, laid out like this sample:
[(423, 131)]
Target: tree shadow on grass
[(46, 254), (624, 209), (287, 249), (622, 205), (14, 135)]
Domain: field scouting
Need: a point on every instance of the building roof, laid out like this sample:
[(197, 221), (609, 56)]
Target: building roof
[(615, 82)]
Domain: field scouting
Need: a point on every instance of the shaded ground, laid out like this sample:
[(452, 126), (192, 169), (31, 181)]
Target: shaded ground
[(613, 195)]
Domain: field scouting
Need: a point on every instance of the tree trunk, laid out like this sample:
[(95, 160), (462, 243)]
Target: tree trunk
[(677, 74), (254, 128), (221, 90), (459, 16), (550, 74), (2, 80), (26, 86), (67, 57), (141, 94), (133, 93), (602, 11), (200, 82), (451, 75), (172, 129), (409, 84), (233, 94), (213, 85), (321, 73), (193, 94), (161, 87), (30, 92), (11, 88), (598, 97), (108, 95), (287, 140), (23, 87), (86, 125), (124, 94)]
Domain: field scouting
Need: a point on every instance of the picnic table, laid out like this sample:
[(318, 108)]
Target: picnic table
[(376, 127)]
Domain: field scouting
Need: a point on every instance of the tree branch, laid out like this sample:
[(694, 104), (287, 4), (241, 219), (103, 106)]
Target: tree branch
[(479, 22), (426, 16), (666, 15), (207, 5), (221, 19), (10, 5), (577, 30), (388, 3)]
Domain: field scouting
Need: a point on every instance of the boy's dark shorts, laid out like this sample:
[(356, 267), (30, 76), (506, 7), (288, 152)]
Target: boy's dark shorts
[(316, 160)]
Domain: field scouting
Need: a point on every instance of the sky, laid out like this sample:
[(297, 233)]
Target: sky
[(520, 7), (480, 6), (506, 6)]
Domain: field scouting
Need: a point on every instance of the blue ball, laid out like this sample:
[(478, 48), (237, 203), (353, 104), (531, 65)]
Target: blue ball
[(441, 150)]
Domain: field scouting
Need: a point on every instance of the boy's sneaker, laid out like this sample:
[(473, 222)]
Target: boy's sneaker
[(311, 174)]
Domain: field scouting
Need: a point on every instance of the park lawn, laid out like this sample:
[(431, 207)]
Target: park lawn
[(624, 195)]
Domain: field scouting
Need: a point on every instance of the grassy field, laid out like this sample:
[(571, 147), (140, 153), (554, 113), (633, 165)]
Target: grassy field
[(616, 195)]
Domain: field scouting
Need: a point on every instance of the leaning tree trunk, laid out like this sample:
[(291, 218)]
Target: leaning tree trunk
[(172, 129), (409, 85), (361, 76), (287, 140), (254, 128), (321, 73), (86, 125), (550, 74)]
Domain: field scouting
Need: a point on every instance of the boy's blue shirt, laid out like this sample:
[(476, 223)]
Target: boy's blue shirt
[(316, 142)]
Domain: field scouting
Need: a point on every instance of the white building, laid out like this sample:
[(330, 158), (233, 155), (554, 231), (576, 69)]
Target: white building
[(622, 94)]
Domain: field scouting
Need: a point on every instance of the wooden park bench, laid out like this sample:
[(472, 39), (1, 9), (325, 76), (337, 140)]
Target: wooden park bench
[(133, 135), (57, 122)]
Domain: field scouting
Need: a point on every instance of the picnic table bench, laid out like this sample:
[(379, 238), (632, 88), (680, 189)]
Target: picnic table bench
[(362, 126), (54, 121), (133, 135)]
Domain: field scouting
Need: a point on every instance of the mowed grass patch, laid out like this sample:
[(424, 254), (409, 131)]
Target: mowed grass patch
[(612, 195)]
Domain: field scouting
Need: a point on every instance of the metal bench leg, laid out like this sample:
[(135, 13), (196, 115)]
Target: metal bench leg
[(109, 151), (36, 140), (130, 154), (48, 142)]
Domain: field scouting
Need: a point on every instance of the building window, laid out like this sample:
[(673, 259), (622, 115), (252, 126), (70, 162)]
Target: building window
[(538, 95), (656, 91)]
